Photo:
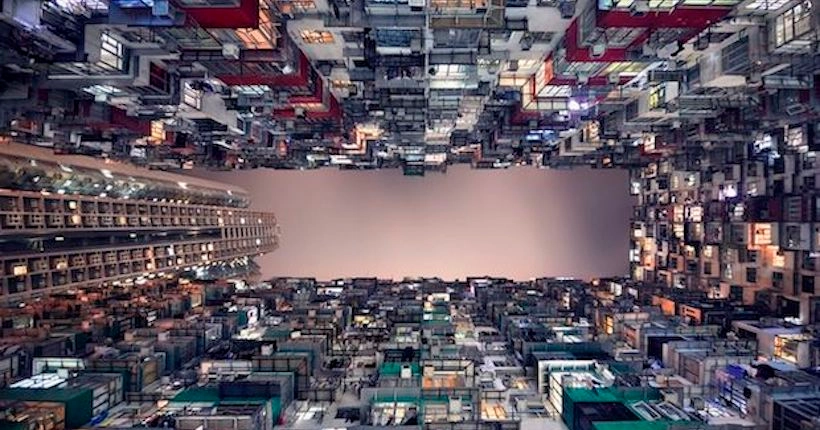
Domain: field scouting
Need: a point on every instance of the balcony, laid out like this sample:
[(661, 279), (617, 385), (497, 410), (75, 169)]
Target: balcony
[(467, 14)]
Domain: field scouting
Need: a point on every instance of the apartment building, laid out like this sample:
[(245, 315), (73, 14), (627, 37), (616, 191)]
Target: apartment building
[(70, 222)]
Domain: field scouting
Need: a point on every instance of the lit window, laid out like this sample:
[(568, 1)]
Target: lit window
[(558, 91), (102, 90), (296, 6), (793, 23), (192, 97), (112, 52), (767, 4), (657, 96), (450, 71), (261, 37), (252, 90), (316, 37), (512, 81), (458, 4), (157, 131)]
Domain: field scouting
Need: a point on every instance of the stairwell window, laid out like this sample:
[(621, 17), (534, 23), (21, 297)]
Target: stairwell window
[(112, 52), (316, 37)]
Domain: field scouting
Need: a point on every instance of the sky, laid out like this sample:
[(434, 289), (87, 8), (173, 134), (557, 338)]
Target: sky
[(520, 223)]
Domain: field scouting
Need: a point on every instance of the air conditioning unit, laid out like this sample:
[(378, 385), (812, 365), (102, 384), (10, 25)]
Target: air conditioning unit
[(701, 43), (796, 109), (161, 8), (300, 112), (668, 51), (258, 110), (583, 78), (597, 50), (754, 79), (567, 9), (639, 8), (649, 51), (614, 78), (417, 3), (230, 51)]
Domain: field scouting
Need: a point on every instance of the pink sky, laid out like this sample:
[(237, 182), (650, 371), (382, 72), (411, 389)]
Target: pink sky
[(519, 223)]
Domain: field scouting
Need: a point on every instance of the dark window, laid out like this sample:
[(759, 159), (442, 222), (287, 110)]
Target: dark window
[(807, 284), (736, 292), (809, 183), (751, 275)]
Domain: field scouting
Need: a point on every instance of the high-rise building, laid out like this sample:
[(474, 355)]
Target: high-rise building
[(70, 221)]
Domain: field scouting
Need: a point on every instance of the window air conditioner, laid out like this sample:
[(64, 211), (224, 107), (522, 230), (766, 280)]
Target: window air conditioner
[(639, 8), (230, 51), (597, 50), (417, 3), (583, 78), (161, 8), (701, 43), (614, 78), (796, 109), (567, 9), (754, 78)]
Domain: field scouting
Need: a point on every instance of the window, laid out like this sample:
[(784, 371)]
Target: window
[(261, 37), (451, 71), (158, 77), (112, 53), (793, 236), (807, 286), (192, 97), (767, 4), (809, 182), (657, 96), (763, 234), (314, 37), (297, 6), (793, 23), (751, 275)]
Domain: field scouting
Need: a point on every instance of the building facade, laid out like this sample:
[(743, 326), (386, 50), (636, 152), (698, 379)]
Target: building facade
[(68, 222)]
